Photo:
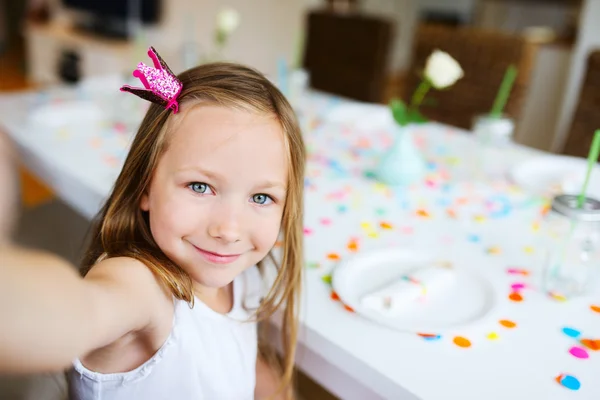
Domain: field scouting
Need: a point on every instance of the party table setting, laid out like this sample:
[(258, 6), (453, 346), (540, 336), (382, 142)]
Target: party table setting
[(430, 251)]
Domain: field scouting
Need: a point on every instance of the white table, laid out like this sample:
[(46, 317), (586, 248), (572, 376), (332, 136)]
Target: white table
[(486, 228)]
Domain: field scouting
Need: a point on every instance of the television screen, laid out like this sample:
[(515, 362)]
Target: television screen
[(147, 10)]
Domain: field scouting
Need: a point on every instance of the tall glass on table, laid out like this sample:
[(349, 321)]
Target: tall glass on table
[(493, 137), (571, 247)]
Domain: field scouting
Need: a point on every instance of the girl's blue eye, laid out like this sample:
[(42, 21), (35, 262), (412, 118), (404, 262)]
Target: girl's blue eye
[(261, 199), (199, 187)]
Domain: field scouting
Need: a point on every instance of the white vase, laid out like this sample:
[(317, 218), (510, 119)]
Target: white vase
[(403, 163)]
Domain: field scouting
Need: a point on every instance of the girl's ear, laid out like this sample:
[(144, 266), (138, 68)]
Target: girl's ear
[(145, 202)]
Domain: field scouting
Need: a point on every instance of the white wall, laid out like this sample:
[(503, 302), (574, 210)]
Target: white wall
[(268, 29), (513, 17), (588, 39)]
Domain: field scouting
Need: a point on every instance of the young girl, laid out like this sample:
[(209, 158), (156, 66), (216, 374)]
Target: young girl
[(172, 293)]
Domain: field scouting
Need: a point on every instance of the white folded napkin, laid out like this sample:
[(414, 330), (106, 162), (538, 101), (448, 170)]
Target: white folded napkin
[(395, 298)]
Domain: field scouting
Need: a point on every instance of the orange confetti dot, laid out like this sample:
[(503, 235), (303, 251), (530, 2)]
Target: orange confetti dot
[(546, 209), (595, 308), (462, 200), (334, 296), (353, 246), (591, 344), (451, 213), (515, 296), (423, 213), (462, 342), (559, 378), (278, 244), (348, 308), (494, 250), (385, 225), (507, 324), (334, 256)]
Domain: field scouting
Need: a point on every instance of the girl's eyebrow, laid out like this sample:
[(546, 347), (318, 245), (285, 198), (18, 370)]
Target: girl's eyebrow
[(268, 184)]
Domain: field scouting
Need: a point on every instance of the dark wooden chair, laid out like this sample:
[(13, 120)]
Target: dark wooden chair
[(484, 57), (587, 114), (347, 54)]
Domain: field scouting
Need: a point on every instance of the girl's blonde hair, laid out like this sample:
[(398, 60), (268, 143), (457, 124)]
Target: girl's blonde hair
[(122, 228)]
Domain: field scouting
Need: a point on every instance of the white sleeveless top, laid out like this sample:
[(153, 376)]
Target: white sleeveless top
[(207, 356)]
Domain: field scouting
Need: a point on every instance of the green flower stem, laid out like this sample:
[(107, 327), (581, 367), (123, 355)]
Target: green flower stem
[(419, 94)]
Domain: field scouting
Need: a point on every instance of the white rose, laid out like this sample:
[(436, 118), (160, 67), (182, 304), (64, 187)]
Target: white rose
[(228, 20), (442, 70)]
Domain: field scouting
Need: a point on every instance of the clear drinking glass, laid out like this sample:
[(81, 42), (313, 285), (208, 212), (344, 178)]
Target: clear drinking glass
[(571, 252), (493, 136)]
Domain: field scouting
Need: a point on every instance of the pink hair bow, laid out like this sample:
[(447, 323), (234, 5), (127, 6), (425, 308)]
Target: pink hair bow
[(161, 86)]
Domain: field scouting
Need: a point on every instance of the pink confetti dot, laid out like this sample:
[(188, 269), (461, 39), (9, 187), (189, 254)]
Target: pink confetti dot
[(579, 352), (518, 286), (308, 231), (325, 221)]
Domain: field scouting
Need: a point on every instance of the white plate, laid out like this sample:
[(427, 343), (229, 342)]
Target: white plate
[(552, 175), (468, 301)]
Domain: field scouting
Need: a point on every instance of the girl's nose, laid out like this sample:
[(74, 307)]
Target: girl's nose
[(225, 224)]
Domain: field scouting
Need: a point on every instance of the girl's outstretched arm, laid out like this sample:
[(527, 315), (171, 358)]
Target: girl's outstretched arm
[(49, 315)]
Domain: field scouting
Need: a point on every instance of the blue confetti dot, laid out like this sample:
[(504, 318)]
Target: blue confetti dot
[(431, 338), (431, 166), (444, 202), (574, 333), (474, 238), (342, 209), (570, 382)]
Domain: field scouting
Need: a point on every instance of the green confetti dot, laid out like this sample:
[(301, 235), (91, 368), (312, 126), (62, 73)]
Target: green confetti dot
[(380, 211), (326, 279)]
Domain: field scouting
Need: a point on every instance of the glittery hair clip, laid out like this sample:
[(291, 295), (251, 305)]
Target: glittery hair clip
[(161, 86)]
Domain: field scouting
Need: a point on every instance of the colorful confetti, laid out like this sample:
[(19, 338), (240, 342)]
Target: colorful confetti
[(334, 256), (462, 342), (568, 381), (595, 308), (574, 333), (474, 238), (326, 279), (494, 250), (517, 271), (492, 336), (430, 336), (557, 296), (334, 296), (515, 296), (507, 324), (591, 344), (385, 225), (578, 352), (423, 214)]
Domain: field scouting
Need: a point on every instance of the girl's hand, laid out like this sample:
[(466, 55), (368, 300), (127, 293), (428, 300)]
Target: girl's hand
[(8, 192)]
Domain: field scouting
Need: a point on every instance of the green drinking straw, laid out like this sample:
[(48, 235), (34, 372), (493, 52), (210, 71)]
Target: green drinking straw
[(592, 158), (502, 97)]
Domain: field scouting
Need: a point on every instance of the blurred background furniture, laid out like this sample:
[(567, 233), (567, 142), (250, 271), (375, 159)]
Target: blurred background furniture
[(587, 114), (484, 57), (347, 54)]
